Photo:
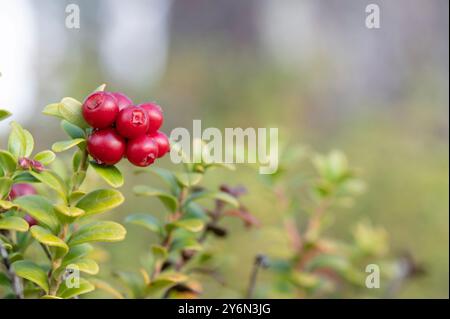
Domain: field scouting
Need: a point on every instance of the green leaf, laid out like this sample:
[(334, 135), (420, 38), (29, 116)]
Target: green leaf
[(32, 272), (6, 204), (101, 88), (62, 146), (184, 243), (52, 180), (24, 177), (4, 114), (69, 211), (72, 130), (222, 196), (29, 145), (5, 186), (188, 179), (45, 157), (52, 110), (159, 252), (167, 176), (100, 200), (40, 209), (77, 252), (164, 282), (45, 237), (144, 220), (13, 223), (83, 288), (71, 110), (17, 142), (85, 265), (7, 162), (102, 231), (192, 225), (168, 200), (111, 174)]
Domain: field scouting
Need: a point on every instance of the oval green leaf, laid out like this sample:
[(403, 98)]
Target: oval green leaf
[(102, 231), (32, 272), (167, 199), (40, 209), (45, 157), (62, 146), (13, 223), (99, 201), (45, 237), (110, 174)]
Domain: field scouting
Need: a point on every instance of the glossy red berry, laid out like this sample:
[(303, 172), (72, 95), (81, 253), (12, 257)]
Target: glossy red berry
[(30, 220), (155, 116), (123, 101), (142, 151), (100, 110), (18, 190), (162, 142), (132, 122), (106, 146)]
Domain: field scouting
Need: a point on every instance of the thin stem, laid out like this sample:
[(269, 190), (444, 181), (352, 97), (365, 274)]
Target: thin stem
[(17, 285), (260, 261)]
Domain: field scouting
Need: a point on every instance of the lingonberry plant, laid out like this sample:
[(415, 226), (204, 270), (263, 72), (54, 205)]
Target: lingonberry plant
[(321, 265), (60, 222), (181, 252)]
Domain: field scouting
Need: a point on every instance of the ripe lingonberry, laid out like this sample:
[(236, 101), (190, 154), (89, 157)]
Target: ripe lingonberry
[(142, 151), (123, 101), (162, 141), (100, 109), (18, 190), (106, 146), (155, 116), (132, 122), (30, 220)]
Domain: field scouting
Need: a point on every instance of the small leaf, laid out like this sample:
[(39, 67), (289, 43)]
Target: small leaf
[(71, 110), (167, 176), (5, 186), (52, 110), (45, 237), (13, 223), (102, 231), (164, 282), (17, 142), (88, 266), (159, 252), (62, 146), (7, 162), (52, 180), (72, 130), (77, 252), (45, 157), (4, 114), (40, 209), (189, 179), (83, 288), (70, 212), (144, 220), (29, 145), (6, 205), (111, 174), (32, 272), (101, 88), (192, 225), (168, 200), (24, 177), (100, 200), (222, 196), (186, 243)]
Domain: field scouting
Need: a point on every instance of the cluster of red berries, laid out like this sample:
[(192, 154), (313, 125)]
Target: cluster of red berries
[(122, 129)]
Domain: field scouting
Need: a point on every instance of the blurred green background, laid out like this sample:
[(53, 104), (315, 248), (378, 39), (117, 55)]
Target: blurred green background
[(310, 68)]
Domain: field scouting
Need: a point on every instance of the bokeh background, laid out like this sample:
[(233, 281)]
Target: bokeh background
[(309, 67)]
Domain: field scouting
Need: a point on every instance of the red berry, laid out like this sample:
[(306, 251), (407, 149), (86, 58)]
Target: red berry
[(132, 122), (30, 220), (142, 151), (18, 190), (162, 141), (106, 146), (100, 109), (122, 100), (155, 116)]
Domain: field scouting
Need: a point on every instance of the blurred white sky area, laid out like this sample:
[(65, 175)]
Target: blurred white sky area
[(17, 42)]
